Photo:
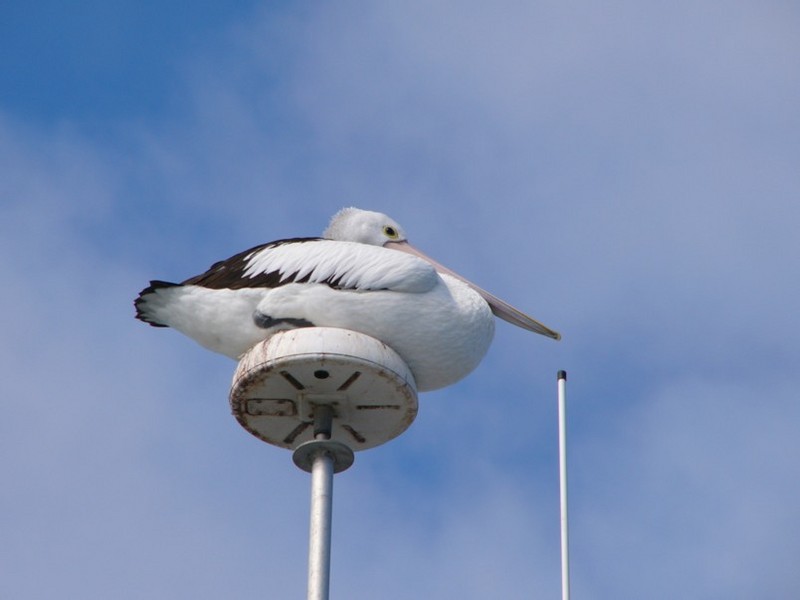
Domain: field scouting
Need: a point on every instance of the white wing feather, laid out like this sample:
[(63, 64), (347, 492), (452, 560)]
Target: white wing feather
[(349, 264)]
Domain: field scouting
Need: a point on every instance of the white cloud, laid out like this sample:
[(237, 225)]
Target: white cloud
[(688, 494)]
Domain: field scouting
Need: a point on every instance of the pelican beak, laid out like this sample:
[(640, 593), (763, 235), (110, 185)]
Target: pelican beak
[(499, 307)]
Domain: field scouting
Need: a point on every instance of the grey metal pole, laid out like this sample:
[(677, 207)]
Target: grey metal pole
[(319, 542)]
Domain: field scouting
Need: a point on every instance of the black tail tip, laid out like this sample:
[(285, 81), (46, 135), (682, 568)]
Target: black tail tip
[(140, 304)]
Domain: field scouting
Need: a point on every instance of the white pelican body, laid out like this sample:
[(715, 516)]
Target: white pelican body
[(353, 278)]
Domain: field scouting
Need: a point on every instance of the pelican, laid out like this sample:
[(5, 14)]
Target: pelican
[(361, 275)]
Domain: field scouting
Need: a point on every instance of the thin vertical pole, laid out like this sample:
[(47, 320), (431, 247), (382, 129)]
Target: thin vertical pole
[(562, 467), (319, 541)]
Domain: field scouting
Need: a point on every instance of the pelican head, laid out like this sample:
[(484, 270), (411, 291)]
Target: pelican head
[(364, 227), (377, 229)]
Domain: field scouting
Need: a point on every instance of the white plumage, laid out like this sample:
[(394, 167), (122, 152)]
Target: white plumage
[(362, 275), (351, 264)]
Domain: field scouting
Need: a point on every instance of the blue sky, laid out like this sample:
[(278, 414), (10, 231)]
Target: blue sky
[(628, 174)]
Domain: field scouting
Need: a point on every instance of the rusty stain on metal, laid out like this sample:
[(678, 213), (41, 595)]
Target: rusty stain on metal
[(290, 378), (350, 381), (271, 407), (289, 439), (356, 436)]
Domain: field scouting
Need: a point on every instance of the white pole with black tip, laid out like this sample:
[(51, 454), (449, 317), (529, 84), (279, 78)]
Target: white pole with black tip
[(562, 468)]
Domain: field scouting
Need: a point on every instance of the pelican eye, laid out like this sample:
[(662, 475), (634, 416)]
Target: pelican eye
[(390, 232)]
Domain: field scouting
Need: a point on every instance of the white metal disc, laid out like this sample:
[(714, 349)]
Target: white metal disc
[(279, 382)]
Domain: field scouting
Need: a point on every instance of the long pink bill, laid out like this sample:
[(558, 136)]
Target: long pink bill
[(499, 307)]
